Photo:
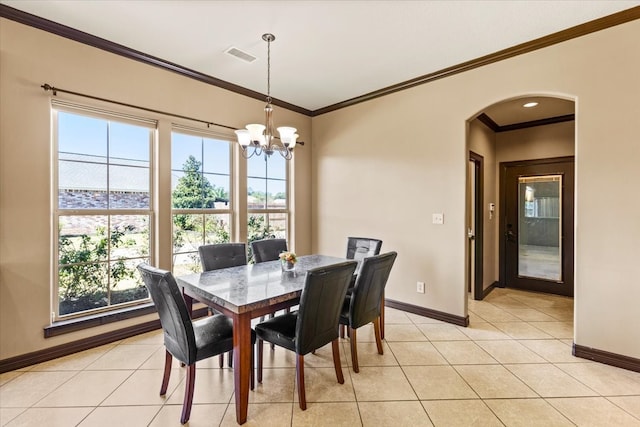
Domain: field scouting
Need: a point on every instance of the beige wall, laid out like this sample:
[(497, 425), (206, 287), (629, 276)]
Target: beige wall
[(29, 58), (381, 168)]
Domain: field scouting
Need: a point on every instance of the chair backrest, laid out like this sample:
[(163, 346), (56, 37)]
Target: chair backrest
[(179, 338), (362, 247), (268, 249), (320, 305), (222, 255), (367, 293)]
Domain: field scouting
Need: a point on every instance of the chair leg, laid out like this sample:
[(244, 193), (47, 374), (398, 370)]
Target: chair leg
[(188, 393), (342, 328), (253, 371), (382, 317), (335, 346), (377, 333), (260, 356), (300, 380), (354, 350), (168, 358), (221, 360), (230, 362)]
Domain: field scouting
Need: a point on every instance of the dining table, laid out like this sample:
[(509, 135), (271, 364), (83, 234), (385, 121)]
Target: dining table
[(246, 292)]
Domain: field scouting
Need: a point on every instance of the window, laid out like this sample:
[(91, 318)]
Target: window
[(267, 197), (200, 189), (103, 212)]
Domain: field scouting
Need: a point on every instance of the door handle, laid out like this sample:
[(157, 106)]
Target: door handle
[(511, 236), (470, 234)]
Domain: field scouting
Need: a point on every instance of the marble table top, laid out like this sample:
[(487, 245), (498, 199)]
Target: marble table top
[(248, 287)]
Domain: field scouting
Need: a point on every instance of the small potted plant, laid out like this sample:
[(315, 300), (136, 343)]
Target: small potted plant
[(288, 261)]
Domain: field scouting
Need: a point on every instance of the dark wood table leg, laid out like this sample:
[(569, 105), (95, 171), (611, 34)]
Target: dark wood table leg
[(382, 317), (189, 301), (242, 363)]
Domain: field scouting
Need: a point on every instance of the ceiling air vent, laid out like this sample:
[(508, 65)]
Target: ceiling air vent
[(244, 56)]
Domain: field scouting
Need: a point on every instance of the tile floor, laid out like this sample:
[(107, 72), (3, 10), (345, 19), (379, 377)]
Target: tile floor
[(511, 367)]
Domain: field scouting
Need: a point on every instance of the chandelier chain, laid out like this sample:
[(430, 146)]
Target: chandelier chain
[(269, 70)]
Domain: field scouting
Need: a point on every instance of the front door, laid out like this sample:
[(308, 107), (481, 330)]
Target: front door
[(537, 225)]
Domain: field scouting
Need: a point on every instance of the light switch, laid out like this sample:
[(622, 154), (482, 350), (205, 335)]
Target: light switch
[(438, 218)]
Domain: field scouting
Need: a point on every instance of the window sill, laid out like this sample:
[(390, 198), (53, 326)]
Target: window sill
[(80, 323)]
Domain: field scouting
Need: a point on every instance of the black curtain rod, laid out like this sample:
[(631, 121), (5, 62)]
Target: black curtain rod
[(47, 87)]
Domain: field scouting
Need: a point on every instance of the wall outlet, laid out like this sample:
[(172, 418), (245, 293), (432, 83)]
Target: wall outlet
[(420, 287), (437, 218)]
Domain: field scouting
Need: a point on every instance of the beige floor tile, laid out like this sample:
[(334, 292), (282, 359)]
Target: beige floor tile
[(484, 331), (562, 314), (593, 411), (521, 330), (494, 382), (327, 414), (554, 351), (463, 352), (280, 357), (87, 388), (261, 415), (493, 314), (393, 316), (475, 318), (631, 404), (212, 386), (156, 360), (201, 415), (8, 414), (561, 330), (368, 355), (549, 381), (401, 333), (150, 338), (510, 352), (438, 382), (458, 413), (130, 416), (51, 417), (321, 385), (416, 353), (393, 414), (530, 315), (381, 383), (604, 379), (123, 357), (28, 388), (527, 413), (8, 376), (443, 333), (322, 358), (143, 388), (277, 386), (73, 362)]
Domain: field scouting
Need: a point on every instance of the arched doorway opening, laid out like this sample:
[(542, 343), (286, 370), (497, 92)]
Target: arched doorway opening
[(522, 237)]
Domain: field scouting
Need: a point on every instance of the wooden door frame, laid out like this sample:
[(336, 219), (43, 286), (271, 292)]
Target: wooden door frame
[(478, 160), (502, 226)]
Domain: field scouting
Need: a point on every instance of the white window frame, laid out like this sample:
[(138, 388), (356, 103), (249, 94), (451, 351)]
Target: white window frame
[(57, 106)]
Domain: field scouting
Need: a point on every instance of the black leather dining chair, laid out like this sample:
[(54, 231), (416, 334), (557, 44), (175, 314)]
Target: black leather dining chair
[(268, 249), (222, 255), (363, 305), (314, 324), (186, 340), (362, 247)]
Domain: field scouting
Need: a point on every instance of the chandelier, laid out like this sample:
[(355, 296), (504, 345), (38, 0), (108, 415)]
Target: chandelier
[(260, 138)]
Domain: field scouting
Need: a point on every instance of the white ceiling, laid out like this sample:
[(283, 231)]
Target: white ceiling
[(325, 52)]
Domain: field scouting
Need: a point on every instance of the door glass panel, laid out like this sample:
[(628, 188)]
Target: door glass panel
[(539, 227)]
